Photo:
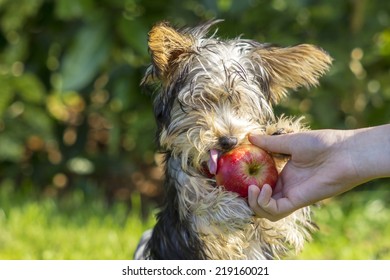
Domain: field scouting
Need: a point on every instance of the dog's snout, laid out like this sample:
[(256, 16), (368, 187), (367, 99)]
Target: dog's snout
[(227, 142)]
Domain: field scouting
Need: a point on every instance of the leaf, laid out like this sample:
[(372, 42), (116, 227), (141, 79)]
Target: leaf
[(384, 43), (10, 149), (83, 60), (38, 121), (30, 89), (70, 9), (6, 93), (135, 34)]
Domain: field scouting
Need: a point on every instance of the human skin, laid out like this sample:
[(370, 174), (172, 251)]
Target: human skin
[(323, 163)]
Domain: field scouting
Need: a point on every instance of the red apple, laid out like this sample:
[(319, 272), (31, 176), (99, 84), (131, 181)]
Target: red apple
[(244, 166)]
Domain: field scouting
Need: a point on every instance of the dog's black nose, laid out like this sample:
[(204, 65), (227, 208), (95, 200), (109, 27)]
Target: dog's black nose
[(227, 142)]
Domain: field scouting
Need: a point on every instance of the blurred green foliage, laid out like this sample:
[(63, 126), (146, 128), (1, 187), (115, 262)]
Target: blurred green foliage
[(72, 115)]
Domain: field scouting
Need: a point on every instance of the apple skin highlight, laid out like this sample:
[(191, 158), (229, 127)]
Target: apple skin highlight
[(244, 166)]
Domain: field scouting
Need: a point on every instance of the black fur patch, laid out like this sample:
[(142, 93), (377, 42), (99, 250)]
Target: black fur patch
[(173, 238)]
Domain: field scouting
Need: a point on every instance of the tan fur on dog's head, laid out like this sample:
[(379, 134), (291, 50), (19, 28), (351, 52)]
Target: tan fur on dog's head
[(286, 68), (167, 47), (202, 80), (293, 67)]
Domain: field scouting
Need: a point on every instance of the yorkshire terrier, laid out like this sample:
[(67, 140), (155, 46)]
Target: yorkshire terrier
[(210, 94)]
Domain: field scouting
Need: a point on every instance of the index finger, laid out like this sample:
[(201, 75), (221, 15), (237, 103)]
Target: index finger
[(276, 143)]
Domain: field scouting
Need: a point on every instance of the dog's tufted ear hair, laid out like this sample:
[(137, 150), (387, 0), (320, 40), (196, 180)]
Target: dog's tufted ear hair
[(168, 47), (292, 67)]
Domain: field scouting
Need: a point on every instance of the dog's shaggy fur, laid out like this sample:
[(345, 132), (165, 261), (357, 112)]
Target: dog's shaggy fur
[(210, 94)]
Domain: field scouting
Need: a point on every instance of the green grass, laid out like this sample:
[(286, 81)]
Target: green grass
[(74, 228), (355, 225)]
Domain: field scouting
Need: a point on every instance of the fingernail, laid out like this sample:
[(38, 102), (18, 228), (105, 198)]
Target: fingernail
[(252, 137), (252, 189)]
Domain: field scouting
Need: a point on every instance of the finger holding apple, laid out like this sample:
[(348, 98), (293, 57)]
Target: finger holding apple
[(243, 166)]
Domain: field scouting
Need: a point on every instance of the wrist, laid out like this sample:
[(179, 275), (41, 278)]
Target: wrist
[(370, 152)]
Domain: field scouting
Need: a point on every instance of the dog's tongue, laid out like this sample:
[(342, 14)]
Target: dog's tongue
[(213, 165)]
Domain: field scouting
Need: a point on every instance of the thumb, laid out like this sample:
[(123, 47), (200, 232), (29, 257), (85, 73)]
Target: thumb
[(275, 143)]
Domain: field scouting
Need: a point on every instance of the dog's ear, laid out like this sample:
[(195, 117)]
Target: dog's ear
[(292, 67), (168, 47)]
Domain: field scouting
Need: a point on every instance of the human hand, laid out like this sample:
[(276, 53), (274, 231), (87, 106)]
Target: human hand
[(320, 166)]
